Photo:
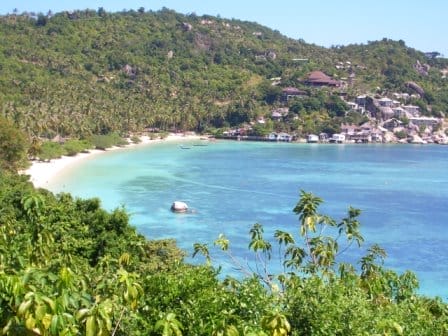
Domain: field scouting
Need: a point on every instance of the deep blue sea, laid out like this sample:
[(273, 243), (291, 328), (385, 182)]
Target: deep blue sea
[(402, 191)]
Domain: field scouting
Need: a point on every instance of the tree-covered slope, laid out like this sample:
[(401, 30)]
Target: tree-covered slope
[(90, 71)]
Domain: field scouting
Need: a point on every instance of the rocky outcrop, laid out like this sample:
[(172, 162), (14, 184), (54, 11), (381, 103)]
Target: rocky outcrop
[(186, 26), (422, 69), (417, 88), (416, 139), (129, 71)]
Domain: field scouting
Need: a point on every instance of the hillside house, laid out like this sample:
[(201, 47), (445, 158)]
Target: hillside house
[(318, 78), (392, 124), (352, 106), (367, 127), (399, 95), (385, 102), (292, 92), (277, 116), (424, 121), (279, 113), (361, 100), (400, 112), (413, 110), (349, 129)]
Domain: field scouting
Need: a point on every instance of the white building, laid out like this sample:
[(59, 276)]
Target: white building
[(337, 138), (414, 110), (385, 102), (312, 138)]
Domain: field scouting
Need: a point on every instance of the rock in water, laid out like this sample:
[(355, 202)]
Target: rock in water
[(179, 206)]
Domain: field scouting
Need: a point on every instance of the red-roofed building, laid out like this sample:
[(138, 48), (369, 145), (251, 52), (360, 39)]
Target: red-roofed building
[(318, 78)]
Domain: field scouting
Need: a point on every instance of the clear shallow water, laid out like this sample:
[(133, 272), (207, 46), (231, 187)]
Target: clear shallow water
[(402, 191)]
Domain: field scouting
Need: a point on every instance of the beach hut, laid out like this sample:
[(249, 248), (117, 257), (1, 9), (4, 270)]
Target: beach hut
[(337, 138)]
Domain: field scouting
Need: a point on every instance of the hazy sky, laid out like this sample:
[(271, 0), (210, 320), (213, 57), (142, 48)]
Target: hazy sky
[(422, 25)]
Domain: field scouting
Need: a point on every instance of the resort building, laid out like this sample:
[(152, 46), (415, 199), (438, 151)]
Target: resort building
[(413, 110), (273, 136), (292, 92), (279, 113), (400, 112), (337, 138), (318, 78), (312, 138), (385, 102), (425, 121), (361, 100)]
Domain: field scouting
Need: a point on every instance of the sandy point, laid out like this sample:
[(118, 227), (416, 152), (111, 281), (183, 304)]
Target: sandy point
[(42, 172)]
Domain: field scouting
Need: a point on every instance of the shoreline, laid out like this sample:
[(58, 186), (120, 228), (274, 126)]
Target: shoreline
[(41, 173)]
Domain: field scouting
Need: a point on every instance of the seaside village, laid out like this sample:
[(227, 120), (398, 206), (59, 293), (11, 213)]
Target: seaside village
[(390, 118)]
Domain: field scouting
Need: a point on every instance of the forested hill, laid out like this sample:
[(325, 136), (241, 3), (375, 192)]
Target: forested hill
[(93, 72)]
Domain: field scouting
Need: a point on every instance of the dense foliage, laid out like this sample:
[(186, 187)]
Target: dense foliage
[(68, 267), (93, 72), (13, 145)]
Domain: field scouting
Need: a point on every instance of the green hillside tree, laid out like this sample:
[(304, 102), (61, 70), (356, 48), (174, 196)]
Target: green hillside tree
[(13, 146)]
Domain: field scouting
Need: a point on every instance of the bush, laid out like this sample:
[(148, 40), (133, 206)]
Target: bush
[(107, 141), (51, 150), (73, 147), (401, 134), (136, 139)]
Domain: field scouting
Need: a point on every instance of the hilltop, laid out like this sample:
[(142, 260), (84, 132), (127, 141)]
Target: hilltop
[(87, 72)]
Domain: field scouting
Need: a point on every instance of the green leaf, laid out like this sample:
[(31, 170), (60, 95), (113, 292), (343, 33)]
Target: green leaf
[(80, 314), (222, 242), (40, 311), (398, 328), (30, 322), (24, 306), (91, 326)]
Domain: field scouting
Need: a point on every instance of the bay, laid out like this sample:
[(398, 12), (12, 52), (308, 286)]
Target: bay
[(402, 191)]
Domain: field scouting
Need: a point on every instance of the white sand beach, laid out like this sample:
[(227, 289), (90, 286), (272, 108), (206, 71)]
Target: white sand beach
[(41, 173)]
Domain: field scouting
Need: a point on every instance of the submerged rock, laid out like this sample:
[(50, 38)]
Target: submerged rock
[(179, 206)]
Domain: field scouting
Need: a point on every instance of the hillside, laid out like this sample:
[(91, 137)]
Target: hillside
[(93, 72)]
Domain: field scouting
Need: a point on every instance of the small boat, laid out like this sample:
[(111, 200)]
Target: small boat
[(179, 206), (185, 147)]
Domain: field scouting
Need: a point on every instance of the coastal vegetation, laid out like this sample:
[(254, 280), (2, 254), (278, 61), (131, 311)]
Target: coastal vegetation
[(69, 267)]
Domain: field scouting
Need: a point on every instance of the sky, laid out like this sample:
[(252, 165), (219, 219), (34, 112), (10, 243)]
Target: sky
[(422, 25)]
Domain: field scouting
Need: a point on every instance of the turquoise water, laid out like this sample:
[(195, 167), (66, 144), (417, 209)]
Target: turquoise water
[(402, 191)]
